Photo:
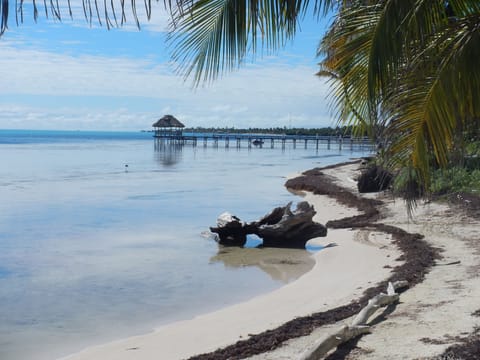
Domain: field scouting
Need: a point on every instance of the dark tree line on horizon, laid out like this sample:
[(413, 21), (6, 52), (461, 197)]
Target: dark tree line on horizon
[(324, 131)]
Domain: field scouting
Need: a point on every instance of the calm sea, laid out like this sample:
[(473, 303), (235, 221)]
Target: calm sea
[(92, 250)]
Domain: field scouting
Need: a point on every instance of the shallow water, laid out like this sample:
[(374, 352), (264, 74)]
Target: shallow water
[(92, 250)]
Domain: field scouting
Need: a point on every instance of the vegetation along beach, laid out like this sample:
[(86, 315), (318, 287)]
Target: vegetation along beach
[(310, 188)]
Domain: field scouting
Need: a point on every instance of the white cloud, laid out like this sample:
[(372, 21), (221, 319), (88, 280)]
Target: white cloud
[(26, 117), (261, 95)]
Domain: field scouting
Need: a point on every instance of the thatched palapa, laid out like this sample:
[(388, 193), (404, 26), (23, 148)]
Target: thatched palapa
[(168, 126), (168, 121)]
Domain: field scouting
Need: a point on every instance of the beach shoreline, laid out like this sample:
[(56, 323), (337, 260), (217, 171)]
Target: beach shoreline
[(438, 316), (437, 253), (371, 253)]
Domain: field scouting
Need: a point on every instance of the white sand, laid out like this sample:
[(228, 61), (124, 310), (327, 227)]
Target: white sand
[(340, 275), (432, 315)]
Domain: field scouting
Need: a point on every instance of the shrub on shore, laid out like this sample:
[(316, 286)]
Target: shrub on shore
[(455, 179)]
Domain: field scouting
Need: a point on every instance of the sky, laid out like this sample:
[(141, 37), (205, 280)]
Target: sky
[(71, 75)]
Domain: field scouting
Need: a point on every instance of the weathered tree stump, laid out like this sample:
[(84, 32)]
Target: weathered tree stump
[(284, 228), (374, 179), (281, 228)]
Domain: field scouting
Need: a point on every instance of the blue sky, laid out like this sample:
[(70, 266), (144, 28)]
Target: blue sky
[(72, 76)]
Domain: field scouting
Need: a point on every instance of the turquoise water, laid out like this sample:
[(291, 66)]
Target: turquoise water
[(92, 250)]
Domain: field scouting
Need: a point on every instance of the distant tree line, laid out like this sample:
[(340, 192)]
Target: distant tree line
[(324, 131)]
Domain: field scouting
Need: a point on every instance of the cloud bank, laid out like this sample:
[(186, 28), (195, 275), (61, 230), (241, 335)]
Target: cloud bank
[(58, 89)]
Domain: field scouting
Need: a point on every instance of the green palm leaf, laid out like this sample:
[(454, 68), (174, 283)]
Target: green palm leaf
[(346, 48), (210, 37)]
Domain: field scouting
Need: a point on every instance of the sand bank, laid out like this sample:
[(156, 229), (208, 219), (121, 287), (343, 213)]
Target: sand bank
[(441, 311), (340, 274)]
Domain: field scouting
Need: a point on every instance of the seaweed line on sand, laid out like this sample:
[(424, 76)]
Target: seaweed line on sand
[(417, 254)]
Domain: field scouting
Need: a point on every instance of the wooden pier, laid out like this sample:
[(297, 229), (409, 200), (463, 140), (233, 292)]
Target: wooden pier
[(228, 140)]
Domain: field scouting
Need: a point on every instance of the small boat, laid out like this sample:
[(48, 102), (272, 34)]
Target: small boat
[(257, 142)]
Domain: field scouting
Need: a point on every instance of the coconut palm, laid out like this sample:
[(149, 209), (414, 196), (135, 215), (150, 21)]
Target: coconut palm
[(407, 66)]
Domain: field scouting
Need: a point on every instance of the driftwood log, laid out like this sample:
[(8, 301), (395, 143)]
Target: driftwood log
[(281, 228), (231, 230), (358, 326)]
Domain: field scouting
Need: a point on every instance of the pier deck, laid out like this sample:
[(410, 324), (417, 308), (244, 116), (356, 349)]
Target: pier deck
[(263, 140)]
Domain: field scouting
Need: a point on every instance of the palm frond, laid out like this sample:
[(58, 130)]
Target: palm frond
[(438, 92), (211, 37), (3, 16), (346, 48), (100, 11)]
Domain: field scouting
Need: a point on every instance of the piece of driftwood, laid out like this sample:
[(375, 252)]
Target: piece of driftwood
[(286, 228), (358, 326), (330, 341), (231, 230), (282, 227), (378, 301)]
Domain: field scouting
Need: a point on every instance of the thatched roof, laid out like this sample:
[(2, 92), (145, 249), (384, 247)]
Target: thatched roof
[(168, 121)]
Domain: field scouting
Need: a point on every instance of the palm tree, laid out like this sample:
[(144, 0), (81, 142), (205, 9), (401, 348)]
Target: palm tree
[(408, 66)]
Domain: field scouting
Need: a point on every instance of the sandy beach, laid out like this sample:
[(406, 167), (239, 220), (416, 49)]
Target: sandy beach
[(438, 318), (429, 317)]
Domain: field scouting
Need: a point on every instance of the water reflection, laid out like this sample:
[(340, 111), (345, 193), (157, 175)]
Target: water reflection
[(167, 153), (283, 265)]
